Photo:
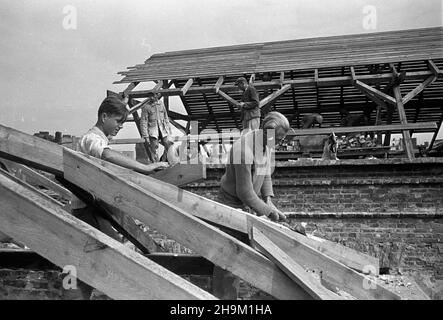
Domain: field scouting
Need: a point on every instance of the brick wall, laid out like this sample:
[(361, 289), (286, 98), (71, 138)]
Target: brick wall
[(392, 185), (391, 209)]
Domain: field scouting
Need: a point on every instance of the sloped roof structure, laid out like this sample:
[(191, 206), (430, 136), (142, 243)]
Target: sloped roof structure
[(320, 72)]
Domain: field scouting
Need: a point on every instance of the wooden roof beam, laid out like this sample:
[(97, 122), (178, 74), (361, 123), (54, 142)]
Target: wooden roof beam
[(310, 252), (186, 87), (374, 92), (296, 83), (274, 96), (229, 99), (417, 90), (292, 269), (106, 264), (171, 220), (219, 83)]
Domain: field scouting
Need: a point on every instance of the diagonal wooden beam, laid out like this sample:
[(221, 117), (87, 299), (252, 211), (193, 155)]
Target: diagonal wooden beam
[(292, 269), (219, 83), (223, 250), (100, 261), (178, 125), (229, 99), (274, 96), (322, 255), (233, 219), (186, 87), (31, 150), (417, 90), (377, 93)]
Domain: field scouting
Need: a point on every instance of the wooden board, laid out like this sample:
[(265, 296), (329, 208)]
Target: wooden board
[(291, 268), (36, 179), (236, 219), (181, 174), (202, 238), (333, 272), (99, 260), (30, 150)]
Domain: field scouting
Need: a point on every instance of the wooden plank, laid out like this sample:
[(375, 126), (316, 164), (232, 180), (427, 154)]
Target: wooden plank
[(186, 87), (236, 219), (202, 238), (229, 99), (274, 96), (333, 272), (127, 225), (418, 89), (178, 125), (181, 174), (36, 179), (100, 261), (30, 150), (292, 269), (218, 84), (375, 92)]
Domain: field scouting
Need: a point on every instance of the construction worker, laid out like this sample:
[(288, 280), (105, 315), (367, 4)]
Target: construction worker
[(112, 114), (155, 126), (310, 120), (249, 105), (247, 184)]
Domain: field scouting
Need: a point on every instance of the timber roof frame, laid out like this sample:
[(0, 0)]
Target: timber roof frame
[(303, 76)]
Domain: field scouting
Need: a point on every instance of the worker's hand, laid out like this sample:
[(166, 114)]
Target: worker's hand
[(161, 166), (277, 215), (240, 106)]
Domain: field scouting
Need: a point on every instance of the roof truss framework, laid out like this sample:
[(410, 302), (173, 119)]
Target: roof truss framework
[(297, 77)]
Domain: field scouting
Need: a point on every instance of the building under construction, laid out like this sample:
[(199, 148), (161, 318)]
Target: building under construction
[(373, 217)]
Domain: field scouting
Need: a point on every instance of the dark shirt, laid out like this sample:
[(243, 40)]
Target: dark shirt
[(251, 109)]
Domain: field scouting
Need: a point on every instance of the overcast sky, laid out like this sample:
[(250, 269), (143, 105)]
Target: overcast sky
[(54, 79)]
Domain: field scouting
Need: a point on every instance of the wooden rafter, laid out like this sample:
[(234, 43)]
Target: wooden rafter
[(100, 261), (202, 238), (218, 84), (372, 92), (417, 90), (294, 271), (274, 96), (186, 87), (208, 105), (302, 82)]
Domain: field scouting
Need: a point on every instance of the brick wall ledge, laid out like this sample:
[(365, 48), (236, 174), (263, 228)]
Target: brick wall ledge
[(333, 181), (346, 162), (424, 214)]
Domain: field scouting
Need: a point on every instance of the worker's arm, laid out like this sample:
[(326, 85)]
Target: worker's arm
[(253, 99), (121, 160), (267, 194), (245, 190)]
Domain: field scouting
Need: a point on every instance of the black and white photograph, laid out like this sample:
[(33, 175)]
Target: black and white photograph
[(229, 152)]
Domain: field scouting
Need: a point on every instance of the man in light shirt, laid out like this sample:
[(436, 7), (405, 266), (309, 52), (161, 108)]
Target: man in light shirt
[(111, 116)]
